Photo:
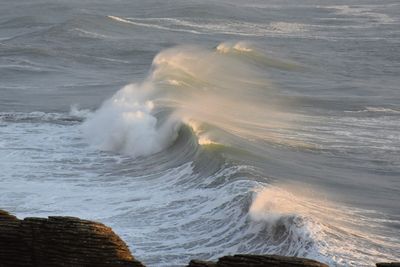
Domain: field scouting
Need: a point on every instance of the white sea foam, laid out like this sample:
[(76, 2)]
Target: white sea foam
[(80, 113), (216, 26), (241, 47), (364, 13), (39, 116), (125, 123), (382, 110)]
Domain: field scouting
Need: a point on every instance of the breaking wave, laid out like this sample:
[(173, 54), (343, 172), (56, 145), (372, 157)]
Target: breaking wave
[(196, 86)]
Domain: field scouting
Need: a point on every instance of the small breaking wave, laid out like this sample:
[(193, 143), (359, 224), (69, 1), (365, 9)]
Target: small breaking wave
[(297, 225), (256, 55)]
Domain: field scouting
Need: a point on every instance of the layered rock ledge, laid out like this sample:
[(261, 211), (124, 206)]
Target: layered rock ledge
[(69, 241), (60, 241)]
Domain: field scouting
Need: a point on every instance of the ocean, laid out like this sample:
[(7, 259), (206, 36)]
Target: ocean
[(197, 129)]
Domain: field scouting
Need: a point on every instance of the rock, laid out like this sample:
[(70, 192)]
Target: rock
[(198, 263), (388, 264), (60, 241), (258, 261)]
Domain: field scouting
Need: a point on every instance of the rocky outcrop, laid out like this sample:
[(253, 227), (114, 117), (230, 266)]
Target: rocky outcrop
[(258, 261), (60, 241), (69, 241)]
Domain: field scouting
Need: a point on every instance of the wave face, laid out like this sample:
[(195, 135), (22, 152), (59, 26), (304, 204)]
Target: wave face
[(285, 143)]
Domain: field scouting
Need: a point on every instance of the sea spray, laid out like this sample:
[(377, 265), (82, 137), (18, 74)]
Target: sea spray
[(126, 123), (189, 83)]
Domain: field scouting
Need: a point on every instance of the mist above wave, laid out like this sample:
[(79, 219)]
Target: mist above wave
[(225, 87)]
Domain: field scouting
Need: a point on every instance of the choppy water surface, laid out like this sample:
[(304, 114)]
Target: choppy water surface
[(198, 129)]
